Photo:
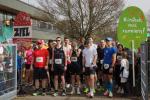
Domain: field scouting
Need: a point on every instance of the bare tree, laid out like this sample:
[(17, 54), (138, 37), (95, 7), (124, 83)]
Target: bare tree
[(83, 17)]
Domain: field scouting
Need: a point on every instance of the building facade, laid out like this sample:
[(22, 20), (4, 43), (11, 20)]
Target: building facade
[(41, 26)]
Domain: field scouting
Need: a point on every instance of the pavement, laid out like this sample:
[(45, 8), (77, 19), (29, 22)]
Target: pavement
[(98, 96), (70, 98)]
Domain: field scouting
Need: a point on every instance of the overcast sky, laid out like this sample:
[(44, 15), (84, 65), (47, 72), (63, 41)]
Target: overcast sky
[(143, 4)]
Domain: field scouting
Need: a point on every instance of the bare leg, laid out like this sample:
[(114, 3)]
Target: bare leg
[(63, 81), (56, 82)]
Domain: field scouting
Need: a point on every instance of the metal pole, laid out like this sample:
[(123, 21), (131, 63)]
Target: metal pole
[(133, 64)]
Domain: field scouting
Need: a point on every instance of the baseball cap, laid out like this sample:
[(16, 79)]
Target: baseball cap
[(108, 39), (39, 42)]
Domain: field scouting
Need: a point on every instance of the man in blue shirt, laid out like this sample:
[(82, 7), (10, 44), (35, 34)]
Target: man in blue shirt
[(109, 63)]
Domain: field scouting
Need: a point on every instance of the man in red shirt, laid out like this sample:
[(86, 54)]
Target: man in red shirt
[(40, 61)]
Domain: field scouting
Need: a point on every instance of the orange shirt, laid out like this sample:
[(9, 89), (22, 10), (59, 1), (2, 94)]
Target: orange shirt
[(40, 58)]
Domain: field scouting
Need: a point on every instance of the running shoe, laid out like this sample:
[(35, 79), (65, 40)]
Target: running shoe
[(86, 90), (106, 93), (90, 95), (78, 91), (73, 91), (119, 90), (36, 94), (63, 93), (122, 91), (94, 91), (55, 94), (110, 94), (43, 94)]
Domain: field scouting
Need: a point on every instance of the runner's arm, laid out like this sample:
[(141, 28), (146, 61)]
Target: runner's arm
[(32, 62), (94, 60), (113, 60), (95, 57), (65, 59), (52, 58), (78, 52), (47, 61)]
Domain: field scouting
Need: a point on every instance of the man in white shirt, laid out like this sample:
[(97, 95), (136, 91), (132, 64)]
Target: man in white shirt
[(89, 62), (90, 39)]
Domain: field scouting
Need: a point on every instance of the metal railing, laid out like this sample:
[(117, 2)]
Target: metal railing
[(8, 72)]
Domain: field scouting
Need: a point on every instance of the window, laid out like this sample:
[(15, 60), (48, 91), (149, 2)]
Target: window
[(49, 26), (43, 25)]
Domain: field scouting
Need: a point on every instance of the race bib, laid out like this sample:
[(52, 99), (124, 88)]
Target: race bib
[(125, 73), (74, 59), (58, 61), (39, 59), (50, 61), (101, 61), (119, 57), (106, 66)]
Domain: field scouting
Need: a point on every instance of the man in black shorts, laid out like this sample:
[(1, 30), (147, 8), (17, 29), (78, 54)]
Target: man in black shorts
[(109, 64), (89, 62), (59, 66), (75, 69), (100, 51), (40, 61)]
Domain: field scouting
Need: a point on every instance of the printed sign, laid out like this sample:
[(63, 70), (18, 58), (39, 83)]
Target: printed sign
[(132, 26), (22, 43), (22, 26)]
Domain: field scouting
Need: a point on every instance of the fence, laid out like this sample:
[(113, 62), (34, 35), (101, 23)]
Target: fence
[(8, 71), (145, 70)]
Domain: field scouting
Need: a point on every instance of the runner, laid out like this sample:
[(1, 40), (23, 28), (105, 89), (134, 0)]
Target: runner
[(100, 51), (89, 62), (51, 74), (28, 61), (40, 61), (124, 75), (75, 69), (90, 39), (67, 48), (117, 67), (59, 66), (19, 67), (109, 64), (80, 50)]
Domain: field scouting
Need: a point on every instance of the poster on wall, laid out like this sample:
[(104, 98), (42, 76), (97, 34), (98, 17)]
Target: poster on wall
[(22, 26), (22, 43), (6, 30)]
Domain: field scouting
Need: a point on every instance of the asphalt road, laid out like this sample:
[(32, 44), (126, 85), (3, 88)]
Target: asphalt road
[(70, 98)]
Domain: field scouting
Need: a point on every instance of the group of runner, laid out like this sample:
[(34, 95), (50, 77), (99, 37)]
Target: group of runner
[(83, 65)]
